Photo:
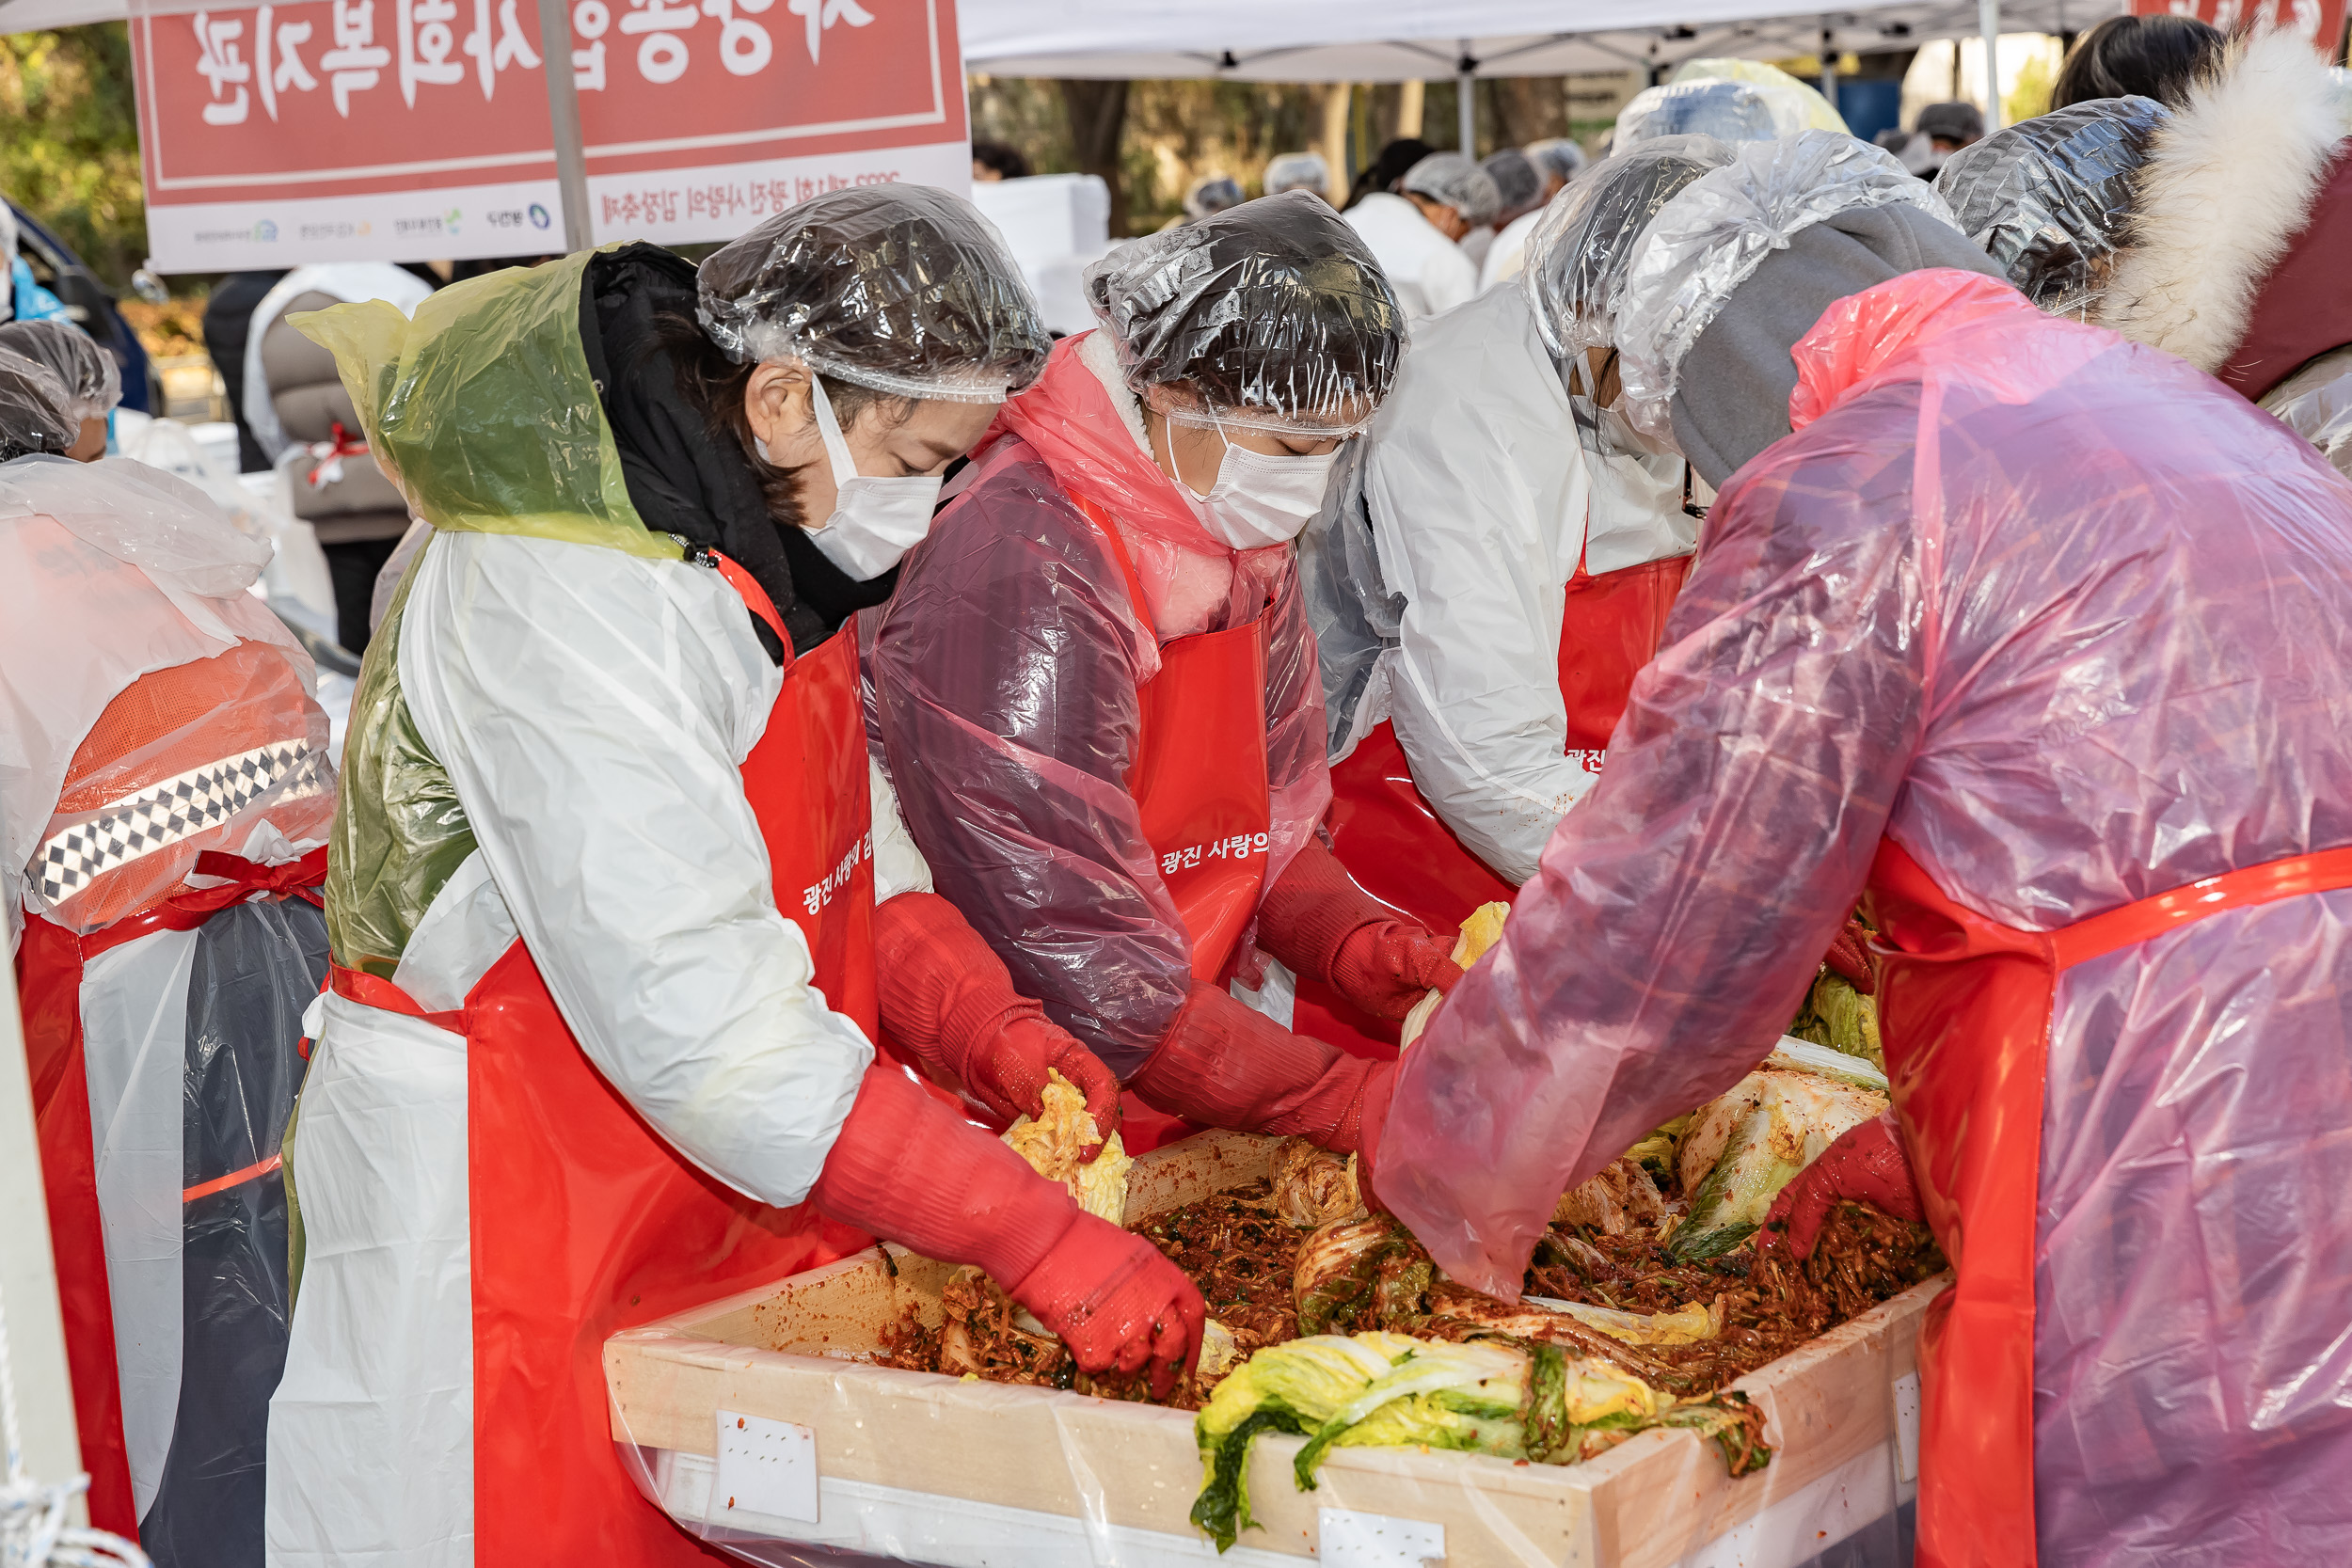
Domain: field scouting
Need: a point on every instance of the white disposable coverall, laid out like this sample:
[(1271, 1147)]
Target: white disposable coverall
[(1507, 256), (1430, 273), (1483, 501), (592, 710)]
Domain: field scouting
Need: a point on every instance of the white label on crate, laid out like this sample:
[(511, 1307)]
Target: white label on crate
[(1354, 1540), (1907, 1428), (764, 1467)]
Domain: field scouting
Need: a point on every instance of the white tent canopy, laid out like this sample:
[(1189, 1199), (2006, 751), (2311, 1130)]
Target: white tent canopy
[(1396, 40)]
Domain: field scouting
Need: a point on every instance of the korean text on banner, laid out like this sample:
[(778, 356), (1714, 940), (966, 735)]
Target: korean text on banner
[(2319, 23), (410, 130)]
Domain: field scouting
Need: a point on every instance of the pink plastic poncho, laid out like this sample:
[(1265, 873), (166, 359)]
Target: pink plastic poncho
[(2072, 626), (1008, 672)]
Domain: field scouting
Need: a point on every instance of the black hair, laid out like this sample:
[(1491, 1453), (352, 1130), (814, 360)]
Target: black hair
[(1396, 160), (1007, 162), (712, 385), (2161, 57)]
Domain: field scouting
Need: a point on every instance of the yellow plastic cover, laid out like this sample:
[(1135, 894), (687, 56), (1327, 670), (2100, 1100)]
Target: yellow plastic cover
[(482, 409)]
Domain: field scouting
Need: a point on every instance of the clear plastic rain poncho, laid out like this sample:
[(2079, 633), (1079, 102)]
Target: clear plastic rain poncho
[(900, 288), (2050, 200), (1710, 238), (1459, 184), (1009, 668), (93, 382), (1578, 258), (1797, 105), (36, 408), (2072, 626), (1727, 111)]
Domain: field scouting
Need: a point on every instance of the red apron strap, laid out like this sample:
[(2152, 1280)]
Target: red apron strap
[(2321, 871), (373, 991), (755, 599), (1111, 536)]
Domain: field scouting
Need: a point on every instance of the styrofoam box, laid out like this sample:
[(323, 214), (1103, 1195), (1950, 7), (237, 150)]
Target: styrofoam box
[(970, 1474)]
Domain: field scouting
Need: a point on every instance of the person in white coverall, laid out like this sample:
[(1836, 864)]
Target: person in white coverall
[(619, 907), (1557, 160), (1486, 581), (1417, 237)]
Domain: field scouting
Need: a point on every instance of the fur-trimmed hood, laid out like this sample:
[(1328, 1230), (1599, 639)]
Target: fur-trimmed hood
[(2229, 187)]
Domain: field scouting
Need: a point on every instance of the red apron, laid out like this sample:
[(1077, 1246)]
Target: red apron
[(49, 962), (1400, 851), (1964, 1007), (1199, 780), (585, 1220)]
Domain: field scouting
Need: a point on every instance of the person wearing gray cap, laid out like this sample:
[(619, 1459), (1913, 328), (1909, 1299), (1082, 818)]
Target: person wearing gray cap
[(2039, 642), (1520, 189), (1417, 235)]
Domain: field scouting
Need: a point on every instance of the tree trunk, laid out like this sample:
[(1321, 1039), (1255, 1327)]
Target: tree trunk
[(1098, 120), (1337, 99)]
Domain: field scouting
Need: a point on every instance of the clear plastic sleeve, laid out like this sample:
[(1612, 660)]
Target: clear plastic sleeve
[(1269, 316), (93, 382), (1908, 620), (1578, 255), (900, 288), (2316, 404), (1708, 240), (2050, 200)]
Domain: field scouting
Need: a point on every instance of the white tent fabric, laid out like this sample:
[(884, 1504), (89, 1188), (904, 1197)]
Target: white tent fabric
[(1396, 41), (1374, 40)]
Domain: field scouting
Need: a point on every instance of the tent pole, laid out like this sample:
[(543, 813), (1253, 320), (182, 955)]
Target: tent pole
[(1829, 63), (571, 163), (1466, 102), (1988, 23)]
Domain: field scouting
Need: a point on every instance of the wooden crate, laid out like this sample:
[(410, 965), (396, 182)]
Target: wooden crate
[(974, 1474)]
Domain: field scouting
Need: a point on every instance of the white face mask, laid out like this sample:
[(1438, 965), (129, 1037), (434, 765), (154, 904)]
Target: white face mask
[(875, 520), (1260, 499)]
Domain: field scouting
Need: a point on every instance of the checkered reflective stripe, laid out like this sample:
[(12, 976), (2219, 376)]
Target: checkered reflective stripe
[(176, 809)]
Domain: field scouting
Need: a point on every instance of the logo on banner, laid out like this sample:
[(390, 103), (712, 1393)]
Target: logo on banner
[(538, 217), (265, 231)]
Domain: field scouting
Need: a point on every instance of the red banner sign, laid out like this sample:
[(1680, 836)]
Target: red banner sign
[(2320, 22), (403, 130)]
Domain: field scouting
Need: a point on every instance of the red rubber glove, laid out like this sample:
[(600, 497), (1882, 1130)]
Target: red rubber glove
[(1226, 1064), (1316, 920), (1117, 1301), (908, 1168), (1379, 1094), (1866, 1163), (1848, 955), (947, 998)]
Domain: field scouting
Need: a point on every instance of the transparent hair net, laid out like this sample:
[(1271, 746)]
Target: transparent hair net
[(1727, 111), (1558, 157), (1271, 316), (1298, 171), (1797, 105), (2050, 198), (900, 288), (93, 382), (1707, 240), (1454, 180), (1212, 194), (36, 410), (1578, 257), (1519, 182)]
